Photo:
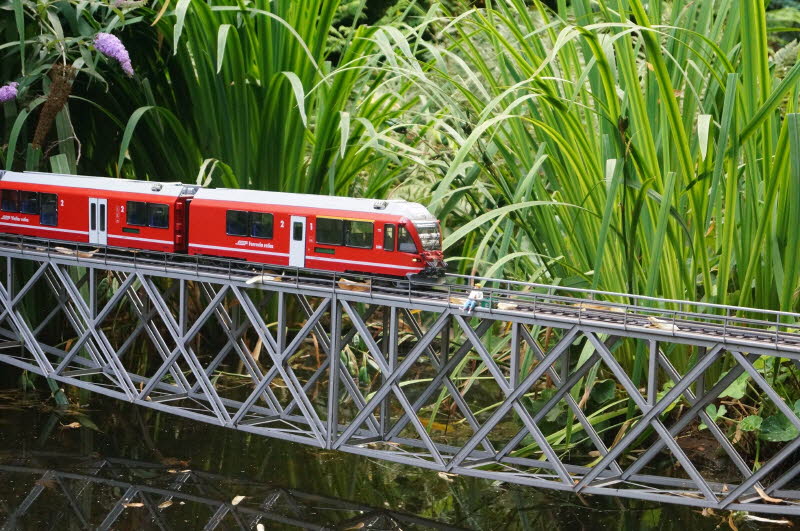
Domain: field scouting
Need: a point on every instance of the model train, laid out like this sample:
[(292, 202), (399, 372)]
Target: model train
[(393, 238)]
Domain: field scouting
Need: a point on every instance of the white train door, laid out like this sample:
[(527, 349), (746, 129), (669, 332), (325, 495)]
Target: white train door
[(98, 221), (297, 242)]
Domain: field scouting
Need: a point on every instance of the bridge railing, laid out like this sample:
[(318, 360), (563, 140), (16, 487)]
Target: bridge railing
[(664, 316)]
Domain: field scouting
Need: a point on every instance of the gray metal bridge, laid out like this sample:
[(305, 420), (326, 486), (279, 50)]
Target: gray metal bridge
[(398, 372)]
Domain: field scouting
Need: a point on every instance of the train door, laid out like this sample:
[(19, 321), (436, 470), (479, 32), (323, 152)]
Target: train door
[(98, 221), (297, 245)]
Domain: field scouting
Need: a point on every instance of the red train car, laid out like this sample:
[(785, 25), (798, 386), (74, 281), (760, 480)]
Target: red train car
[(395, 238), (103, 211)]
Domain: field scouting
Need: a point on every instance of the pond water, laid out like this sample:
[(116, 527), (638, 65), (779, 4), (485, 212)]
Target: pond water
[(114, 465)]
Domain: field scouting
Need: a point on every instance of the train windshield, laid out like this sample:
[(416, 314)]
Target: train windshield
[(429, 236)]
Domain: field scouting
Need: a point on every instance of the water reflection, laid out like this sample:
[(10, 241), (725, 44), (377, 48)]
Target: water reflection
[(109, 493), (108, 464)]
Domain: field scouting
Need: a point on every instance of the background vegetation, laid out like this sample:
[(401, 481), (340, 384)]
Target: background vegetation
[(638, 147)]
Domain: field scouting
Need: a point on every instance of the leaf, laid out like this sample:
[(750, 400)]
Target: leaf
[(133, 505), (180, 13), (737, 388), (165, 504), (767, 498), (751, 423), (714, 413), (222, 39), (237, 500), (299, 95), (603, 391), (71, 426), (777, 428), (161, 13), (703, 127), (363, 376)]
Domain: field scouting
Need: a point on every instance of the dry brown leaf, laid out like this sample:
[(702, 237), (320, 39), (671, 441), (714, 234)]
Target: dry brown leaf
[(359, 525), (594, 453), (731, 523), (259, 279), (71, 426), (787, 523), (766, 497), (237, 500), (133, 505), (79, 254), (590, 306), (445, 476), (46, 483), (174, 461), (354, 286), (662, 325), (164, 505)]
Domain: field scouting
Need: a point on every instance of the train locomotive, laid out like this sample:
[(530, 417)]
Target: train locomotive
[(392, 238)]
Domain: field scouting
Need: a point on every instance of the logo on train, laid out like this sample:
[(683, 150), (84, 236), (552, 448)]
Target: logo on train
[(246, 243), (7, 217)]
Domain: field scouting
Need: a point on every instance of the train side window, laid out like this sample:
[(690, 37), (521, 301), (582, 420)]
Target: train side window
[(236, 222), (49, 210), (405, 241), (10, 201), (330, 231), (29, 202), (261, 225), (158, 215), (388, 237), (359, 234), (136, 213)]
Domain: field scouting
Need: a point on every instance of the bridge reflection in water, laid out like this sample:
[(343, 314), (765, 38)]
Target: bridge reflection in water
[(109, 493), (370, 364)]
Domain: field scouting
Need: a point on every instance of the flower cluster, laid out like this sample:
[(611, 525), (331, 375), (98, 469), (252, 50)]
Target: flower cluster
[(8, 92), (112, 47)]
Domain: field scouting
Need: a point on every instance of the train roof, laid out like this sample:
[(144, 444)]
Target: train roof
[(172, 189), (397, 207)]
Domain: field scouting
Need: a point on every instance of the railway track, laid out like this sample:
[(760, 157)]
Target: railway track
[(740, 327)]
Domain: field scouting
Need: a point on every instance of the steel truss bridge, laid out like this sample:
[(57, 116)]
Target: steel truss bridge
[(76, 483), (399, 372)]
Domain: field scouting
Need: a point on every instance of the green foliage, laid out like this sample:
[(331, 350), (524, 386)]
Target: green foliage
[(777, 428), (715, 413), (603, 391), (47, 47), (250, 88), (631, 172), (750, 423)]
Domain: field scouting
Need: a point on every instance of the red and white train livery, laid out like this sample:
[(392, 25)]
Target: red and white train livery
[(394, 238)]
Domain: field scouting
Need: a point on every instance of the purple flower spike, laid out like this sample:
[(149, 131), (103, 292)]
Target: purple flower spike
[(8, 92), (112, 47)]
